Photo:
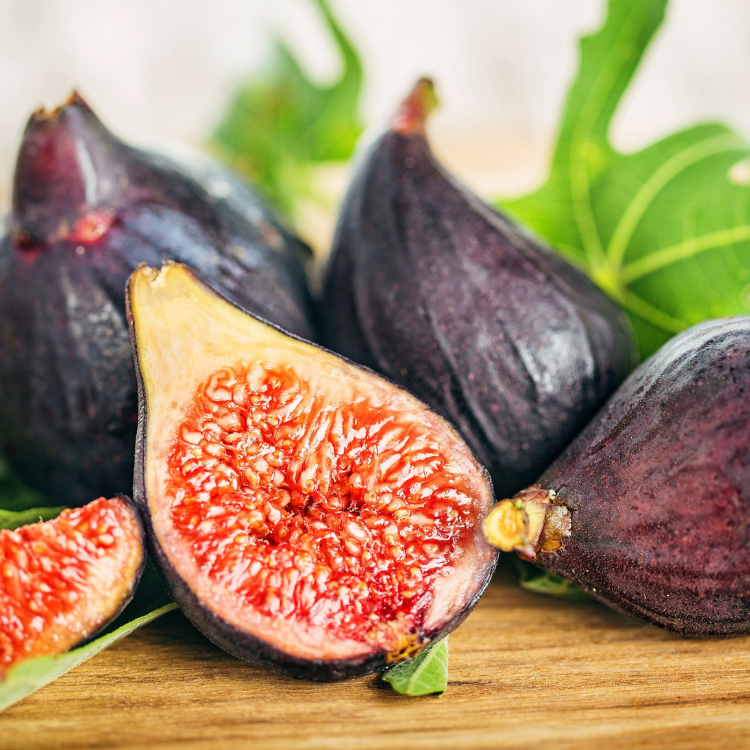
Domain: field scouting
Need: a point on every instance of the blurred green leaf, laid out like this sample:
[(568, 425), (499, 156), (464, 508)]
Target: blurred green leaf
[(665, 231), (280, 123), (426, 674), (533, 578)]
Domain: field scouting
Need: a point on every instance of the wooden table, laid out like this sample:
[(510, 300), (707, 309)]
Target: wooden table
[(526, 671)]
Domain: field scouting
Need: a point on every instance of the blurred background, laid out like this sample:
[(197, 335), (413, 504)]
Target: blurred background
[(169, 69)]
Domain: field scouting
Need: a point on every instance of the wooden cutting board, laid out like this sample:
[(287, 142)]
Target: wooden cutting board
[(526, 671)]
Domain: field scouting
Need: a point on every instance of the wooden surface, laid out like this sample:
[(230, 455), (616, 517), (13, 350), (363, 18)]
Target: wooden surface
[(526, 671)]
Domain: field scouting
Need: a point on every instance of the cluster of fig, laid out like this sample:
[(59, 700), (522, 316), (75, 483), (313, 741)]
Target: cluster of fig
[(306, 513)]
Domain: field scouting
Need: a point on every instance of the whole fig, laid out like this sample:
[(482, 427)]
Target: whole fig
[(87, 210), (452, 300), (649, 508)]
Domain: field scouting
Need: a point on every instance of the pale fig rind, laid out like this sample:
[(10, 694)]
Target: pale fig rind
[(658, 488), (473, 571)]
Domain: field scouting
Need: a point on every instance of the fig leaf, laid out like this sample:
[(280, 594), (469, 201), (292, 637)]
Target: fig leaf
[(533, 578), (426, 674), (666, 230), (30, 675), (280, 123)]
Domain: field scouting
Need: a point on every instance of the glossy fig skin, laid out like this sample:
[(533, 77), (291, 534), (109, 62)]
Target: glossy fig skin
[(453, 301), (658, 486), (87, 210)]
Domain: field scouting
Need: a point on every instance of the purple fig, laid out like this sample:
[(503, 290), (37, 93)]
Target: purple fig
[(87, 210), (649, 508), (455, 302)]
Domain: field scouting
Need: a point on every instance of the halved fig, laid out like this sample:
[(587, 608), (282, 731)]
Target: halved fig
[(305, 514), (649, 508), (62, 581)]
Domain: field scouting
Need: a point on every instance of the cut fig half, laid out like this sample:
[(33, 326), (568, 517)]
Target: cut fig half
[(62, 581), (306, 514)]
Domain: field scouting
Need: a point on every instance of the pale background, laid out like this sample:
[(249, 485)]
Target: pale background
[(159, 69)]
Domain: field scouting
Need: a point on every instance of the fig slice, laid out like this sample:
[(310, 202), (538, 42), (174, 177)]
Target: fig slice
[(87, 210), (305, 514), (62, 581), (458, 304), (649, 508)]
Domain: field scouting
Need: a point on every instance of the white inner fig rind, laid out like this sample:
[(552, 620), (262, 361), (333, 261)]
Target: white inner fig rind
[(183, 334)]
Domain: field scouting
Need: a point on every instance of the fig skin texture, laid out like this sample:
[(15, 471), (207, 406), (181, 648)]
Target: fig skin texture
[(283, 491), (658, 488), (87, 209), (65, 580), (455, 302)]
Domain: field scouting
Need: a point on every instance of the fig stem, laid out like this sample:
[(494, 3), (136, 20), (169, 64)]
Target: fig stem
[(414, 110), (527, 522)]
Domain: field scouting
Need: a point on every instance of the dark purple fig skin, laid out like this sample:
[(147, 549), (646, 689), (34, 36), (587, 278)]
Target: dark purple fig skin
[(453, 301), (68, 402), (658, 486)]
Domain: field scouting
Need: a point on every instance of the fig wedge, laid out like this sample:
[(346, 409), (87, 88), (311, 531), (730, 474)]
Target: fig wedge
[(458, 304), (87, 209), (649, 508), (304, 513), (64, 580)]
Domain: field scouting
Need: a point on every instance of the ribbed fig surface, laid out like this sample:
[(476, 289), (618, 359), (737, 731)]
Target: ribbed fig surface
[(87, 209), (305, 514), (447, 297), (657, 488), (63, 580)]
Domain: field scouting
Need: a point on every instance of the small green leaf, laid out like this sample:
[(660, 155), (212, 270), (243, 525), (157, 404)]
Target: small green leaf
[(12, 520), (665, 231), (539, 581), (280, 124), (29, 676), (424, 675)]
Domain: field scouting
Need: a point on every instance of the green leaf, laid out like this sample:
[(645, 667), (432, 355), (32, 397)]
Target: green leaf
[(424, 675), (29, 676), (14, 495), (539, 581), (666, 230), (280, 124)]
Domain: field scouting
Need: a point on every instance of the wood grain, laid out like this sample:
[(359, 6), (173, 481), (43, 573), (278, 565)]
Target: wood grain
[(526, 671)]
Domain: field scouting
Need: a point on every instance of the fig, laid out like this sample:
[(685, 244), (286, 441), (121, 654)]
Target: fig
[(305, 514), (649, 508), (87, 209), (62, 581), (452, 300)]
